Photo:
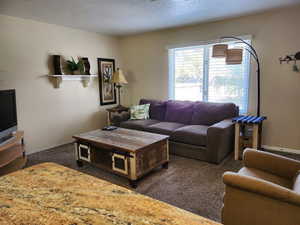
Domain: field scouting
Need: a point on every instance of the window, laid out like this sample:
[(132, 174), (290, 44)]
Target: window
[(195, 75)]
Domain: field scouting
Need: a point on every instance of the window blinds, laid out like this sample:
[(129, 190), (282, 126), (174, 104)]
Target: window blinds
[(195, 75)]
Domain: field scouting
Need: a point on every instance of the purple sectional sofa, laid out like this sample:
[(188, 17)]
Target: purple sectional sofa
[(199, 130)]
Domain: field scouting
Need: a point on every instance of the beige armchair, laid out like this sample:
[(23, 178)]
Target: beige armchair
[(266, 191)]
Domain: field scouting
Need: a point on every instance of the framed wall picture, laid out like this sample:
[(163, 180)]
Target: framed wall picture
[(106, 68)]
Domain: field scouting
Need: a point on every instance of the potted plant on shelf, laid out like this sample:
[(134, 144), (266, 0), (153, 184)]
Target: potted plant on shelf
[(75, 68)]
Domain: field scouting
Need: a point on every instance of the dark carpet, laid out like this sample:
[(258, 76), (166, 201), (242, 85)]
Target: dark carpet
[(189, 184)]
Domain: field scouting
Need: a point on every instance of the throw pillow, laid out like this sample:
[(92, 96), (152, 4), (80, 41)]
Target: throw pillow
[(139, 112)]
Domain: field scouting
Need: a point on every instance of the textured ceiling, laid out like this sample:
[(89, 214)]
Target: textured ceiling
[(122, 17)]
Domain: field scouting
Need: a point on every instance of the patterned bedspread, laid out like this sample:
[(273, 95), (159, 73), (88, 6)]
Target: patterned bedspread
[(50, 194)]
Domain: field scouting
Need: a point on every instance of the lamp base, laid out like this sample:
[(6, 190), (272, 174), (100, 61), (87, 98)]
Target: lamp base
[(118, 86)]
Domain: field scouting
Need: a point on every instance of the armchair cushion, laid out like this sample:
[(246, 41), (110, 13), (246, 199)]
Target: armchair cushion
[(193, 134), (266, 176)]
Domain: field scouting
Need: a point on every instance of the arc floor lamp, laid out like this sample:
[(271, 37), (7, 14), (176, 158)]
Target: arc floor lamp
[(235, 56), (254, 54)]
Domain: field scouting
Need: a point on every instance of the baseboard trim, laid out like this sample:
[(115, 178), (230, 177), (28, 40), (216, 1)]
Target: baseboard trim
[(282, 149), (54, 146)]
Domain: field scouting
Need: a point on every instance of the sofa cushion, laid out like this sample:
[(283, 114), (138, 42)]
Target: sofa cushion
[(207, 113), (157, 108), (192, 134), (179, 111), (296, 185), (164, 127), (137, 124), (266, 176)]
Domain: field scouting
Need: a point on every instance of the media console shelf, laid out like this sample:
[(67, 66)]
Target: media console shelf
[(12, 154), (58, 79)]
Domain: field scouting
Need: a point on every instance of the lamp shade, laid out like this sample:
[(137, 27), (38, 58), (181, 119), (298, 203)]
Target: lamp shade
[(219, 50), (234, 56), (118, 77)]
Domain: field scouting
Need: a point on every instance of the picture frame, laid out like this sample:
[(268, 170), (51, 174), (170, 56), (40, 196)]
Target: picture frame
[(107, 90)]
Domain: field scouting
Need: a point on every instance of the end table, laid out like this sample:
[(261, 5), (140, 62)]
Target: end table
[(244, 140), (115, 110)]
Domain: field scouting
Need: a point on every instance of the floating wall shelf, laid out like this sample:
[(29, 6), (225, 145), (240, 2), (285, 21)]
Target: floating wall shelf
[(58, 79)]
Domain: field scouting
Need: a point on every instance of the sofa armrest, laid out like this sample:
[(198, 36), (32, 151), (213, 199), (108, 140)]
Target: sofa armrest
[(223, 124), (271, 163), (220, 140), (259, 186)]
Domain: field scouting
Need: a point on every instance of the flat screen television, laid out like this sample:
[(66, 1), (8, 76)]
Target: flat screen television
[(8, 114)]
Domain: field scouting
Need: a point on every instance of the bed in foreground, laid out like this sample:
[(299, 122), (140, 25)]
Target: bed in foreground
[(50, 194)]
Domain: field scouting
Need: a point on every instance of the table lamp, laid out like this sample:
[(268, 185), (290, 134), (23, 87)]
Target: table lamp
[(119, 79)]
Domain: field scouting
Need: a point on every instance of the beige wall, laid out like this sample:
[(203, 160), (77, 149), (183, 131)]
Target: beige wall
[(51, 116), (275, 34)]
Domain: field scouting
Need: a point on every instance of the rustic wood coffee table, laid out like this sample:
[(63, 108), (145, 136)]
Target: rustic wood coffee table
[(129, 153)]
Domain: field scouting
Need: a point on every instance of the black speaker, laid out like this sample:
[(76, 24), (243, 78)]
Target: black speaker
[(86, 65), (57, 65)]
